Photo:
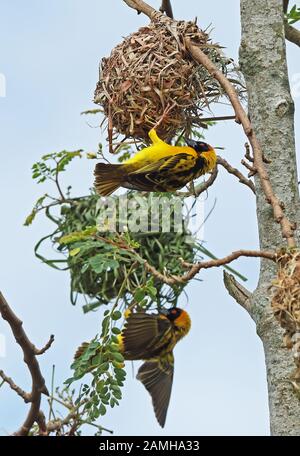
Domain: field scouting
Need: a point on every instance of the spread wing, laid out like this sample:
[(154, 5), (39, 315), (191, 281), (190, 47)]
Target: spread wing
[(144, 335), (157, 377), (155, 176)]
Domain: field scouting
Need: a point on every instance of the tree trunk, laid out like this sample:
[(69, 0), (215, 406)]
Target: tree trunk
[(271, 109)]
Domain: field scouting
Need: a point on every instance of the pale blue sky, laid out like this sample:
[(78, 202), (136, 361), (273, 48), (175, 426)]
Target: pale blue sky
[(49, 54)]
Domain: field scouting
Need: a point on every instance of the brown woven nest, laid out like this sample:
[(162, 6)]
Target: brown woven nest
[(151, 70), (286, 302)]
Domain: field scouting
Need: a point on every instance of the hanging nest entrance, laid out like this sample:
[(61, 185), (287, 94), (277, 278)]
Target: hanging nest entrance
[(150, 70), (286, 302)]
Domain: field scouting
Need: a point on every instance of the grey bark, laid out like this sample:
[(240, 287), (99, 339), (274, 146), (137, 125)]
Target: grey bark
[(271, 109)]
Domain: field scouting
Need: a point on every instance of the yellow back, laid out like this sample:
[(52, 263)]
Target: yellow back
[(158, 150)]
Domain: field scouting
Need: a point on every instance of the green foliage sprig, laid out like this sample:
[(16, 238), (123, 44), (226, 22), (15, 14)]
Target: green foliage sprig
[(293, 15), (102, 359)]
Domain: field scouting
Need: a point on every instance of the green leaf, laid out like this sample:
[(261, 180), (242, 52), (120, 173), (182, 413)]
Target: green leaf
[(293, 15), (91, 306), (105, 326), (114, 348), (104, 367), (139, 294), (116, 315), (96, 360), (74, 252), (91, 111), (101, 263), (114, 339), (102, 409), (118, 357), (78, 235), (36, 208), (100, 385), (117, 394)]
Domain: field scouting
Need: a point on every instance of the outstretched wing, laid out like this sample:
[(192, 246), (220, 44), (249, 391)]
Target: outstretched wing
[(156, 176), (157, 377), (144, 335)]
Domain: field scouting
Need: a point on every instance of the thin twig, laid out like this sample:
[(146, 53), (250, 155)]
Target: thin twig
[(196, 267), (201, 187), (251, 169), (285, 6), (57, 182), (231, 170), (73, 418), (166, 7), (248, 155), (25, 396), (50, 400), (215, 119), (239, 293), (41, 422), (46, 347), (38, 382), (292, 34), (141, 7)]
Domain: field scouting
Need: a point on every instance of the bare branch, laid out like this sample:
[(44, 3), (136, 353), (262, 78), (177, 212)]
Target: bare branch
[(58, 424), (217, 118), (56, 180), (142, 7), (166, 7), (241, 295), (203, 186), (196, 267), (231, 170), (251, 169), (41, 421), (292, 34), (73, 419), (46, 347), (25, 396), (287, 228), (38, 382)]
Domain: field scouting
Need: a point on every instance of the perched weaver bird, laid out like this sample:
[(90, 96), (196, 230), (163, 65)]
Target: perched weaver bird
[(152, 338), (157, 168)]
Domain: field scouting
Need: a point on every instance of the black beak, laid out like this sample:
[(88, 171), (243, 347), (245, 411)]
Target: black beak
[(191, 142)]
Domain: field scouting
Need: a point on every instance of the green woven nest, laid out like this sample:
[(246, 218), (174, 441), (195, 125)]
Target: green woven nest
[(99, 277)]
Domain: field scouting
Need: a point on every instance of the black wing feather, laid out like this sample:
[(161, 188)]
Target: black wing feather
[(155, 176), (143, 335), (157, 377)]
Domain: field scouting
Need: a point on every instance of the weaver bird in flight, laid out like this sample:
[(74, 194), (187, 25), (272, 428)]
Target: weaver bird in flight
[(152, 338), (157, 168)]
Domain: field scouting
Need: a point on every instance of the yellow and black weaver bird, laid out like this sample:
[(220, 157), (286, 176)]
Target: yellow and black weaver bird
[(157, 168), (152, 338)]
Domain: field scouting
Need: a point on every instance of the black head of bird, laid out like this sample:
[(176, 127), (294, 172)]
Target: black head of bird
[(172, 313), (198, 146)]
